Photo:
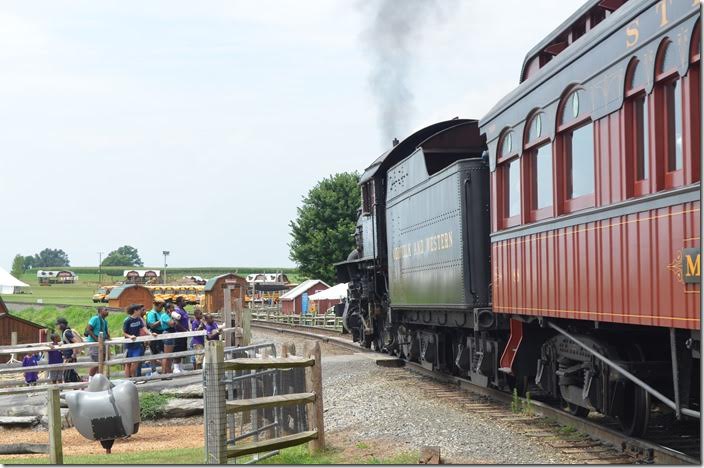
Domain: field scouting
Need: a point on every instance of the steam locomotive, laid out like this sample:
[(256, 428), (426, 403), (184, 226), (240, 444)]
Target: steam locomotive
[(554, 243)]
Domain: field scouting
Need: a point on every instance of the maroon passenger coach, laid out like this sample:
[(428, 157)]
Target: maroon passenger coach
[(595, 179)]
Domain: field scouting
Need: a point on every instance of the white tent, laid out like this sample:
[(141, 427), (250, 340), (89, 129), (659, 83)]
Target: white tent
[(336, 293), (8, 283)]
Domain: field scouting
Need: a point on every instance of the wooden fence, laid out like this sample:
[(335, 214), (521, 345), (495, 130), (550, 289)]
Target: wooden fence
[(216, 406), (53, 390), (327, 321)]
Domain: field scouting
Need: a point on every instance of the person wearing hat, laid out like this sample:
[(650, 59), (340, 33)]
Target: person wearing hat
[(67, 337), (154, 326)]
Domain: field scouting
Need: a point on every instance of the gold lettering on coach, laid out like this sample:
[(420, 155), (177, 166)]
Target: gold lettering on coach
[(632, 33)]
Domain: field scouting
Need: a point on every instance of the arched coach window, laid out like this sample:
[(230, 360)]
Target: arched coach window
[(509, 167), (668, 113), (537, 154), (637, 130), (576, 152)]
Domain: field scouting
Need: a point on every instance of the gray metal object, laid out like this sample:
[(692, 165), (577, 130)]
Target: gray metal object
[(675, 373), (628, 375), (105, 411)]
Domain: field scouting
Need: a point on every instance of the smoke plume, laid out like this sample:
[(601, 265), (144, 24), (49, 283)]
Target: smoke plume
[(391, 39)]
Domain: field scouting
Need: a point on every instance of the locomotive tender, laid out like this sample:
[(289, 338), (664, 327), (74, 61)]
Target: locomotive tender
[(555, 243)]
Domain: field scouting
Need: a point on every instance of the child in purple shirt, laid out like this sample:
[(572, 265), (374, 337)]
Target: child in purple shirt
[(197, 342), (31, 360), (211, 327), (55, 357)]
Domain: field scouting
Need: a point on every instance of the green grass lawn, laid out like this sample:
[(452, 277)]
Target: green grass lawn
[(192, 456), (77, 318), (298, 455)]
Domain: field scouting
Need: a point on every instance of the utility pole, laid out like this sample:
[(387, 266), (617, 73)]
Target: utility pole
[(100, 268), (166, 254)]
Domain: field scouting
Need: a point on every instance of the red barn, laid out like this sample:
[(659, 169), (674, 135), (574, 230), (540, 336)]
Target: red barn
[(295, 301), (27, 332)]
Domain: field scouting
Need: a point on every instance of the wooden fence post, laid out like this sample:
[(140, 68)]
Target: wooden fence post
[(246, 327), (314, 383), (56, 453), (107, 358), (214, 416), (101, 353), (230, 338)]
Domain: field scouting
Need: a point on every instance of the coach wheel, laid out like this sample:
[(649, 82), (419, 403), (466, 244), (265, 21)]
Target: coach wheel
[(635, 409), (575, 410)]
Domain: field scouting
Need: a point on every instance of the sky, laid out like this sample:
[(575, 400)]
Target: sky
[(198, 127)]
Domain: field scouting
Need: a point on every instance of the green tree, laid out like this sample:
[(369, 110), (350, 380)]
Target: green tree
[(28, 262), (51, 258), (322, 232), (124, 256), (18, 266)]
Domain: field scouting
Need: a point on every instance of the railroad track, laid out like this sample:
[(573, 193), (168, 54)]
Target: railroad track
[(594, 440)]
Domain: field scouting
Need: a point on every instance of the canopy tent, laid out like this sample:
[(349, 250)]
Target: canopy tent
[(323, 300), (336, 293), (8, 283)]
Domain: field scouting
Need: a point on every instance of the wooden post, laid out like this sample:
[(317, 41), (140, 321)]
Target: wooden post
[(314, 383), (107, 358), (13, 338), (214, 416), (56, 453), (101, 353), (246, 327), (227, 316)]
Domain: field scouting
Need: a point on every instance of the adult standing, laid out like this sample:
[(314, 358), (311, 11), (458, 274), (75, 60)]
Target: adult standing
[(96, 325), (132, 327), (167, 326), (69, 355), (180, 325), (154, 326)]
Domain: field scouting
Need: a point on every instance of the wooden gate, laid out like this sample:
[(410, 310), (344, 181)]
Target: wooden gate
[(216, 407)]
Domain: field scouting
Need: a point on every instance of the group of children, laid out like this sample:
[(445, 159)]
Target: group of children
[(162, 318), (55, 356)]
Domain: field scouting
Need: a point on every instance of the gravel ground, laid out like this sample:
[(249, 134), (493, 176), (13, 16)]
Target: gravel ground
[(363, 401)]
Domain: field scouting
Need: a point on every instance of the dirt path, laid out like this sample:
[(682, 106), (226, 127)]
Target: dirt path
[(168, 436)]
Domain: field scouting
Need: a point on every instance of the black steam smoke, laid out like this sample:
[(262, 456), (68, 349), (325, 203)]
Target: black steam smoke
[(391, 39)]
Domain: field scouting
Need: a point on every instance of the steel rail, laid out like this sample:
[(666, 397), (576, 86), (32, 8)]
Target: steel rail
[(640, 449)]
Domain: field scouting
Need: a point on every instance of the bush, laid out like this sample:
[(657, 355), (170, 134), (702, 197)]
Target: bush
[(151, 405)]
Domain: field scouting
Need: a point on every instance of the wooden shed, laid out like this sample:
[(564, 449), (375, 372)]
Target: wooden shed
[(27, 332), (128, 294), (214, 292), (295, 301)]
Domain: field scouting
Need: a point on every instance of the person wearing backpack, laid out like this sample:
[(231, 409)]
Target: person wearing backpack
[(69, 336)]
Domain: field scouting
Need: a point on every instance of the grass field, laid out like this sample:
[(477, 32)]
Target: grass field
[(77, 318), (81, 292), (298, 455)]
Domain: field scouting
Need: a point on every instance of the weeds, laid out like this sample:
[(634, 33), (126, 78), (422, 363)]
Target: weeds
[(151, 405), (521, 405), (515, 402), (527, 405)]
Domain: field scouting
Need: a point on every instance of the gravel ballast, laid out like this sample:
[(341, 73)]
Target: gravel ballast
[(365, 402)]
